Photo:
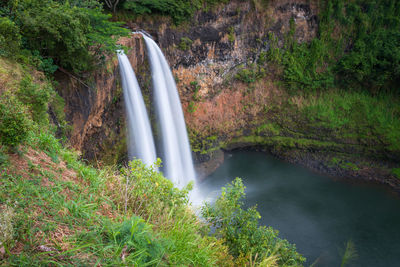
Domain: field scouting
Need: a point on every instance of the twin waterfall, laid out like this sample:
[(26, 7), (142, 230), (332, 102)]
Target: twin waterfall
[(176, 153)]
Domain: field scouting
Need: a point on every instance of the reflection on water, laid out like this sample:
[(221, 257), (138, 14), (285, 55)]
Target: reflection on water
[(315, 212)]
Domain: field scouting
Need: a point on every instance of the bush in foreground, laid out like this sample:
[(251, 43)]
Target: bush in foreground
[(248, 242)]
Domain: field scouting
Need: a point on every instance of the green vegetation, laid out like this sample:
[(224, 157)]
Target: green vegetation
[(6, 224), (195, 87), (36, 98), (396, 172), (14, 121), (100, 225), (24, 107), (10, 39), (344, 164), (343, 55), (56, 210), (192, 107), (270, 128), (203, 144), (185, 43), (355, 113), (349, 254), (247, 241), (231, 34), (75, 35), (286, 142), (178, 10), (250, 74)]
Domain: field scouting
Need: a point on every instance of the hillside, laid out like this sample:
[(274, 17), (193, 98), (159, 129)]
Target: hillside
[(57, 210)]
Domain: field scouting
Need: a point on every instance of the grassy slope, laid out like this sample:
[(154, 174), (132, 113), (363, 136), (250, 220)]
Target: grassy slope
[(64, 212), (56, 210)]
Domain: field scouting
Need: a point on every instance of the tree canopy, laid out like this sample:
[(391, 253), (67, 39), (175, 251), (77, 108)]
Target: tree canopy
[(76, 35)]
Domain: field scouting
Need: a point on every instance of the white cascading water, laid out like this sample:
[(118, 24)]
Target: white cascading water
[(178, 158), (140, 141)]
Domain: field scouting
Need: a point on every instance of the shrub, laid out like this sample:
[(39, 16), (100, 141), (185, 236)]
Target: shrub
[(10, 38), (151, 190), (4, 160), (47, 66), (250, 74), (143, 191), (36, 97), (48, 143), (192, 107), (185, 43), (14, 121), (247, 241), (133, 239), (302, 69)]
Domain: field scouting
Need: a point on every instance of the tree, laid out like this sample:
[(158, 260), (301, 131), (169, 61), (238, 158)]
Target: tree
[(10, 39), (76, 38), (112, 4)]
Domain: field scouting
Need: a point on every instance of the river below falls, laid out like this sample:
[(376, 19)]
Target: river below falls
[(317, 213)]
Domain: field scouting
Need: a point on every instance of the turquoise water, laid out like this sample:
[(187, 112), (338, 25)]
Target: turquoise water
[(317, 213)]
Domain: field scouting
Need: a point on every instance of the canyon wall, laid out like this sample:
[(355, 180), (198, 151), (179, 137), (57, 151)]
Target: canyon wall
[(229, 100)]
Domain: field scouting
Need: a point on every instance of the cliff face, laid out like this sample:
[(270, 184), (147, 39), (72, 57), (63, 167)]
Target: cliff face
[(204, 55), (207, 54), (95, 107), (229, 101)]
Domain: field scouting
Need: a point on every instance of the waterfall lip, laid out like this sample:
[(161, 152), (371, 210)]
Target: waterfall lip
[(143, 32)]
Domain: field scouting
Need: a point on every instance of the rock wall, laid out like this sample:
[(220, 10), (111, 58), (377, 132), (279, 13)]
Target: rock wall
[(219, 41), (206, 54), (223, 111)]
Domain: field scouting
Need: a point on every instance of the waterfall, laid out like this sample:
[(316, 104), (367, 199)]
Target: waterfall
[(140, 137), (177, 159)]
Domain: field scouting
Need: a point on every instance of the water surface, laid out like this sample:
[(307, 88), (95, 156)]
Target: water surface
[(317, 213)]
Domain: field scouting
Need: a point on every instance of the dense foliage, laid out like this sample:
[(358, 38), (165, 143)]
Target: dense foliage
[(247, 241), (10, 39), (357, 47), (178, 10), (14, 121), (74, 35)]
